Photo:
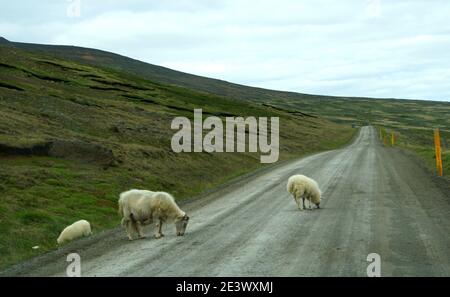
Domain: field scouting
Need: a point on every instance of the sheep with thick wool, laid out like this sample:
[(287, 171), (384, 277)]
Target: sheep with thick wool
[(302, 187), (135, 210), (76, 230), (143, 207)]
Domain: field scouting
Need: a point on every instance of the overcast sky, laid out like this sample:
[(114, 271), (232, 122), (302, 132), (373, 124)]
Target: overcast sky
[(373, 48)]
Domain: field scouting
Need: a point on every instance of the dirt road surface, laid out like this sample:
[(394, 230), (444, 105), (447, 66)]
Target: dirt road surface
[(375, 200)]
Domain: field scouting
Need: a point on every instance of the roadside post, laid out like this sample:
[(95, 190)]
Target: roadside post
[(437, 146)]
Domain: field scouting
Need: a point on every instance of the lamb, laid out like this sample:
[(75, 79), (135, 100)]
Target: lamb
[(143, 207), (76, 230), (303, 187)]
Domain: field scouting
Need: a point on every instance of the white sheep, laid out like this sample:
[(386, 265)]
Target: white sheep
[(134, 211), (142, 207), (76, 230), (303, 187)]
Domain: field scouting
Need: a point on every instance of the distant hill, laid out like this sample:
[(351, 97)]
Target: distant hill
[(338, 109), (413, 118), (159, 73)]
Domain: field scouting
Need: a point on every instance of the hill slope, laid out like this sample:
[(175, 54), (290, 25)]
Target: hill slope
[(413, 121), (413, 113), (149, 71)]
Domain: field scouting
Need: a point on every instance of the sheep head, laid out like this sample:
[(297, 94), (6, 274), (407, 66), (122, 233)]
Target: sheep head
[(181, 224)]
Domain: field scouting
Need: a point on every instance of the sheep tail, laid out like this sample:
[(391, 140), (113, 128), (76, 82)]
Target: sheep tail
[(120, 209), (291, 188)]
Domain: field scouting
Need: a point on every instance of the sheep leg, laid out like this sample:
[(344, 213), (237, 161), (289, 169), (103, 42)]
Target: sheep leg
[(135, 227), (303, 198), (128, 229), (139, 230), (159, 229)]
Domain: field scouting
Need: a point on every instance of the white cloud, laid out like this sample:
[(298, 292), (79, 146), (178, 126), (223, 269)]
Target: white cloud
[(357, 48)]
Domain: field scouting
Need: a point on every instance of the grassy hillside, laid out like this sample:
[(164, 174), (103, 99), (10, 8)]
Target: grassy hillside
[(74, 135), (155, 73), (413, 120)]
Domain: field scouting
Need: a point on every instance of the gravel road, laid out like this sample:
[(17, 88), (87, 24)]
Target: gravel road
[(375, 200)]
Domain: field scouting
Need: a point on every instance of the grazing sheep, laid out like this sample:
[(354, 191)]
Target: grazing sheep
[(303, 187), (134, 211), (78, 229), (142, 207)]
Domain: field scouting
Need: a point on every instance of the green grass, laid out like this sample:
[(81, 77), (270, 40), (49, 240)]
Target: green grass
[(428, 154), (421, 142), (124, 114)]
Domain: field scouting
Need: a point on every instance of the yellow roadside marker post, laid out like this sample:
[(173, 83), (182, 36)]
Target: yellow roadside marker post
[(437, 146)]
